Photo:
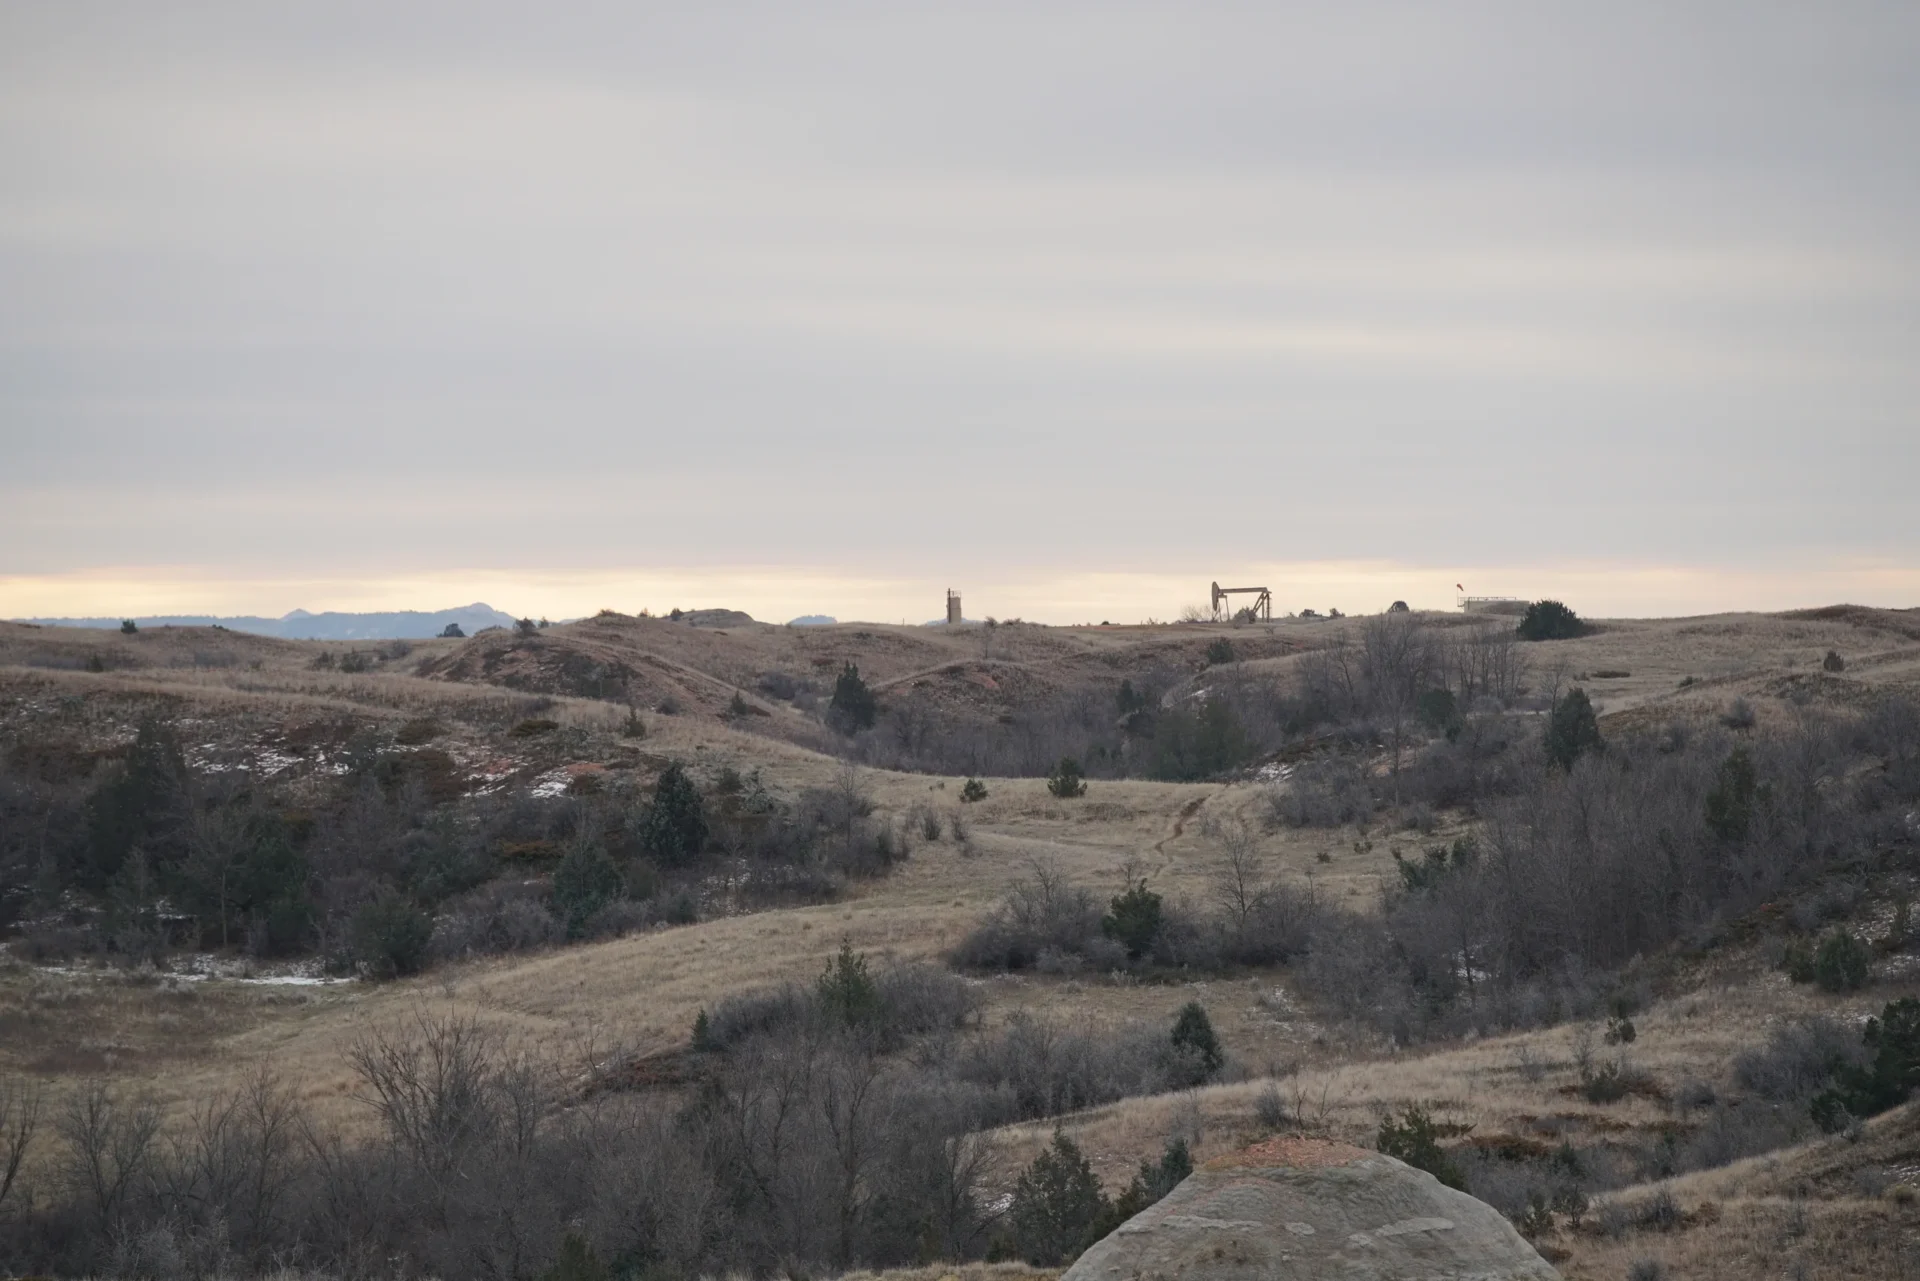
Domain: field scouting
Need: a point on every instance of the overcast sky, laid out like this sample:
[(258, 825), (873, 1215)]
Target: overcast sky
[(827, 307)]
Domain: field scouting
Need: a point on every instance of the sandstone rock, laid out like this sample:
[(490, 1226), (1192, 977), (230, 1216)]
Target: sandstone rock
[(1308, 1208)]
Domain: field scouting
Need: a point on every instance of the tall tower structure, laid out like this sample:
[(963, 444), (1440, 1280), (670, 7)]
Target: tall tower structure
[(953, 608)]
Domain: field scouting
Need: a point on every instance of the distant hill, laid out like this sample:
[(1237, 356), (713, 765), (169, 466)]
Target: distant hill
[(813, 620), (408, 624)]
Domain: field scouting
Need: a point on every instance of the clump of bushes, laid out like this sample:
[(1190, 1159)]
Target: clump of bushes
[(1058, 1209), (1414, 1137), (1887, 1078), (1133, 919), (853, 706), (390, 937), (1573, 730), (1195, 743), (1047, 924), (673, 827), (888, 1006), (1067, 780), (1798, 1060), (1839, 963), (1550, 620)]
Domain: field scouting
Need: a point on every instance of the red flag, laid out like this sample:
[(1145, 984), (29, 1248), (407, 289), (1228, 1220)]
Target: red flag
[(1457, 587)]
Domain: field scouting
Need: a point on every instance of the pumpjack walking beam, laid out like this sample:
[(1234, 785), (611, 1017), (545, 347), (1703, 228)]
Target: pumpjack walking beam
[(1262, 607)]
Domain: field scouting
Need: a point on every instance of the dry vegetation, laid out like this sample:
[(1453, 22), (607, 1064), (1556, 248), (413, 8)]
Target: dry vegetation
[(1814, 1206)]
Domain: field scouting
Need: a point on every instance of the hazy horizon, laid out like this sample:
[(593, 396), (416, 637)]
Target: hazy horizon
[(826, 309)]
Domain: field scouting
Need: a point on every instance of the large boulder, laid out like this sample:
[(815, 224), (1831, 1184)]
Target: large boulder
[(1309, 1208)]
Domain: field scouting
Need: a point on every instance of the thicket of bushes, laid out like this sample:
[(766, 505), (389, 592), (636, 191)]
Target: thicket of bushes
[(1651, 842), (827, 1127), (390, 867)]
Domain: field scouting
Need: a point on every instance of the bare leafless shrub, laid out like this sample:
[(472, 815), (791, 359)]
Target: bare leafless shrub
[(1326, 792), (925, 819), (909, 1000), (1270, 1107), (109, 1138), (229, 1172), (429, 1079), (21, 1101), (1036, 1067), (1040, 911), (1734, 1132), (1798, 1060), (779, 685)]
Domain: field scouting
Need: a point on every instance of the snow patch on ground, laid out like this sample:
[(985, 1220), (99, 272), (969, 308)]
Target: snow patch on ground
[(202, 967)]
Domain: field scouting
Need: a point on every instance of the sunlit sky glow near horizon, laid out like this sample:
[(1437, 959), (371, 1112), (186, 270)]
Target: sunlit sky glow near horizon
[(829, 307)]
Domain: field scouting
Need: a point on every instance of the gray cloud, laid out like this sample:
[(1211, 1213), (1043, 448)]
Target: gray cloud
[(872, 286)]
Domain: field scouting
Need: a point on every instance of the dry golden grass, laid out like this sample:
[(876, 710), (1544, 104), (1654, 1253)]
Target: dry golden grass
[(1838, 1240), (1499, 1085)]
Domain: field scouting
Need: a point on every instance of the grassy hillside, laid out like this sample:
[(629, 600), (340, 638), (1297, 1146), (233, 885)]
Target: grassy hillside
[(535, 745)]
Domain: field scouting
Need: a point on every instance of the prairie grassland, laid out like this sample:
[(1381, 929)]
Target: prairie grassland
[(643, 991), (1497, 1085), (640, 994)]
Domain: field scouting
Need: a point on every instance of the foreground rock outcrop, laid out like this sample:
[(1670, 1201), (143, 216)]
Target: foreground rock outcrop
[(1309, 1208)]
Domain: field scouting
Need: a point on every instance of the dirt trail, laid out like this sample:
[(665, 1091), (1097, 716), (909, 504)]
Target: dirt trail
[(1187, 811)]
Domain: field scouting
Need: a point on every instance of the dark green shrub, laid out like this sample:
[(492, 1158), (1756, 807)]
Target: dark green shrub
[(1887, 1080), (533, 727), (585, 882), (128, 627), (1433, 869), (1152, 1183), (1066, 781), (974, 790), (1439, 712), (1193, 1033), (853, 706), (846, 991), (1190, 744), (354, 662), (1057, 1207), (526, 627), (1797, 961), (1840, 963), (1550, 620), (576, 1262), (1572, 729), (1133, 919), (1129, 700), (1730, 803), (389, 937), (243, 880), (1414, 1137), (141, 803), (1220, 652), (673, 827), (452, 631), (1833, 662)]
